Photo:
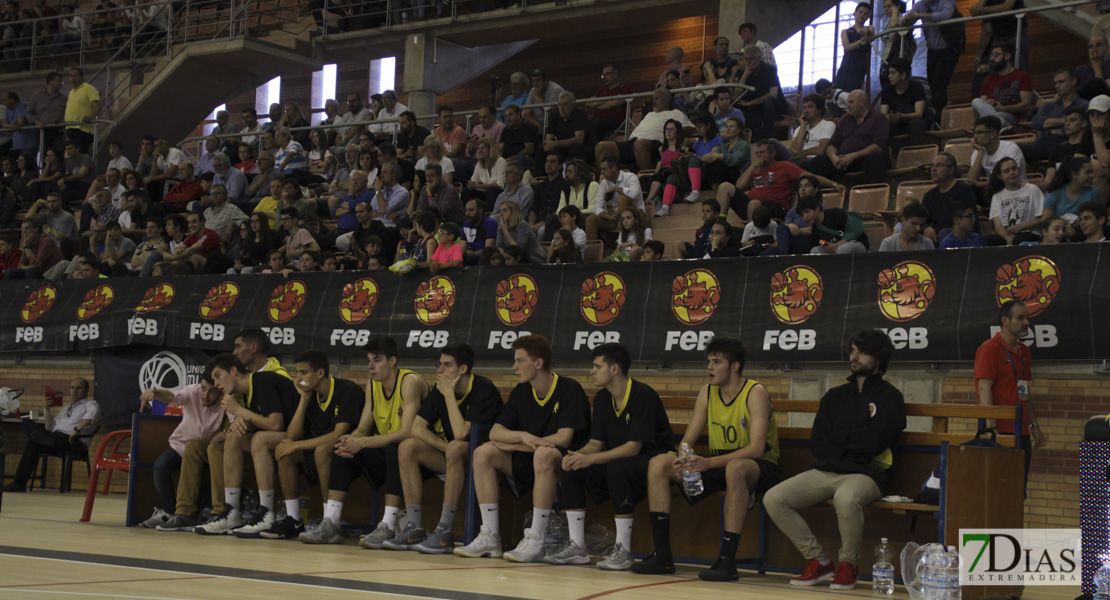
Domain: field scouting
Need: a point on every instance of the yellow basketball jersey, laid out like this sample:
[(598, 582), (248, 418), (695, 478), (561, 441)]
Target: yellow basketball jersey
[(729, 424), (388, 409)]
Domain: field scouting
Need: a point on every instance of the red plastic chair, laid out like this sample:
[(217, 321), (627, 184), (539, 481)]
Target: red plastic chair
[(114, 460)]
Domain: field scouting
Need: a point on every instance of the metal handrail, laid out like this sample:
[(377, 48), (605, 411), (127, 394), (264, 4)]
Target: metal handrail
[(1006, 13)]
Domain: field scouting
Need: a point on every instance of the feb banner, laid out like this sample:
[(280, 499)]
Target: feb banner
[(936, 306)]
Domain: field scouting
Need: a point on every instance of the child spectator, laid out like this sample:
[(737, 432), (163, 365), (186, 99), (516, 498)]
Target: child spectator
[(632, 234), (963, 222), (425, 225), (448, 254), (759, 234), (653, 250), (374, 263), (1016, 206), (275, 260), (569, 217), (491, 257), (720, 242), (834, 231), (1054, 230), (10, 254), (515, 256), (710, 212), (563, 250)]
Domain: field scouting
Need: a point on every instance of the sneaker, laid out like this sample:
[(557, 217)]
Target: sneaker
[(529, 550), (693, 197), (286, 528), (178, 523), (654, 565), (618, 559), (407, 538), (486, 545), (570, 554), (663, 210), (813, 573), (259, 523), (845, 578), (441, 541), (325, 532), (376, 539), (222, 523), (159, 517), (719, 572)]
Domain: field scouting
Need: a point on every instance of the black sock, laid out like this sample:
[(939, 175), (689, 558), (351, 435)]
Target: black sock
[(661, 533), (729, 542)]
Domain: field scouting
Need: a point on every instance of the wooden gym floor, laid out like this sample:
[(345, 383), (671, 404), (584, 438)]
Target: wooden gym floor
[(45, 554)]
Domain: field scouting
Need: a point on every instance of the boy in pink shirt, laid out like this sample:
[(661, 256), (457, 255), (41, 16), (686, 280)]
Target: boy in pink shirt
[(448, 254)]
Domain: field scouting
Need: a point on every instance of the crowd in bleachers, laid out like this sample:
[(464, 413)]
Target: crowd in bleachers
[(525, 185)]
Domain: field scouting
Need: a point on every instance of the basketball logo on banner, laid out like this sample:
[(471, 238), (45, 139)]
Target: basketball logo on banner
[(516, 299), (219, 300), (796, 294), (164, 370), (358, 300), (1034, 280), (434, 300), (155, 298), (286, 301), (38, 303), (906, 290), (603, 295), (694, 296), (96, 300)]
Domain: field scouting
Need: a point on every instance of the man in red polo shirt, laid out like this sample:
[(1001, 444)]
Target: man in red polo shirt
[(1004, 376), (198, 245), (767, 182)]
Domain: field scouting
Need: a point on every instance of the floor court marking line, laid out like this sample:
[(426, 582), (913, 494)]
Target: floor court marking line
[(88, 594), (387, 589), (634, 587)]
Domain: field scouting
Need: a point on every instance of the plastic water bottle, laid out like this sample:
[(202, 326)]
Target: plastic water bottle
[(930, 575), (1102, 582), (691, 482), (951, 571), (882, 572)]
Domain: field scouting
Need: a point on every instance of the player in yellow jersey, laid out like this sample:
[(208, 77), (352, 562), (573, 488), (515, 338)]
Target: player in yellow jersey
[(393, 397), (252, 348), (743, 460)]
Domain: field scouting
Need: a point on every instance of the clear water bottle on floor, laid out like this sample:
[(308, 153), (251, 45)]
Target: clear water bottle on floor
[(882, 572), (691, 482), (951, 570), (1102, 582), (930, 572)]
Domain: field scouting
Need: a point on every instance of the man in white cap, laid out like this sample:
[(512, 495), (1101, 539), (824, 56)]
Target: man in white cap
[(1098, 113)]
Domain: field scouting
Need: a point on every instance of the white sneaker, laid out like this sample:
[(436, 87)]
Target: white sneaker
[(486, 545), (254, 528), (529, 550), (158, 518), (221, 524), (618, 559), (663, 210), (570, 554), (693, 196)]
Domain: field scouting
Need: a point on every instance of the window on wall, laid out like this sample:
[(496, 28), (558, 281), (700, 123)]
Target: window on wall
[(383, 74), (265, 95), (822, 49), (323, 88), (208, 127)]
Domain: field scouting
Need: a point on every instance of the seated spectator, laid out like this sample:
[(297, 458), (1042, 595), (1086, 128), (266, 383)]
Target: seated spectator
[(515, 191), (321, 163), (666, 179), (448, 253), (391, 200), (616, 191), (581, 191), (835, 231), (72, 427), (260, 185), (10, 254), (293, 118), (718, 69), (1091, 75), (766, 101), (836, 99), (964, 218), (721, 243), (1070, 189), (118, 160), (275, 262), (186, 191), (759, 234), (914, 219), (948, 192), (673, 60), (479, 231), (903, 103), (452, 136), (48, 177), (514, 256), (722, 109), (632, 233), (222, 216), (1007, 92), (1092, 221), (345, 209), (568, 129), (373, 248), (858, 144), (520, 137), (201, 244), (116, 257), (988, 150), (1098, 115), (1078, 142), (487, 127), (491, 257), (748, 35), (308, 263), (569, 218), (204, 161), (728, 160), (812, 136), (1054, 230), (1016, 206), (519, 89), (26, 171), (148, 246), (433, 154), (292, 196), (290, 155), (708, 137), (298, 239), (547, 194), (164, 167), (99, 210), (645, 140), (366, 229), (438, 196), (233, 180), (247, 164), (563, 250), (56, 223), (80, 171), (795, 234), (340, 185), (544, 91), (654, 250), (710, 213), (489, 174), (514, 232), (72, 31), (425, 225), (1049, 120), (766, 182), (608, 115)]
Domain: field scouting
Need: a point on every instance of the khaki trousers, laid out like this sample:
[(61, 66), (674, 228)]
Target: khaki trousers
[(850, 493)]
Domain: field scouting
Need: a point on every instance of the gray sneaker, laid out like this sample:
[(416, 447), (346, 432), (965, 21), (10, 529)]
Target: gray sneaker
[(156, 519), (570, 554), (376, 539), (618, 559), (178, 523), (486, 545), (442, 541), (529, 550), (324, 533), (407, 538)]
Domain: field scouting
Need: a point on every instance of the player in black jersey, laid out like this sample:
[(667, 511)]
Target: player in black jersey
[(329, 407), (440, 443), (546, 415), (630, 426), (269, 400)]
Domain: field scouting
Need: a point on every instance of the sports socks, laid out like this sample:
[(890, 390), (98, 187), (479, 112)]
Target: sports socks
[(447, 517), (695, 178), (266, 499), (727, 556), (231, 498), (624, 532), (489, 517), (293, 509), (576, 527), (661, 533), (539, 520), (391, 514), (415, 514), (332, 511)]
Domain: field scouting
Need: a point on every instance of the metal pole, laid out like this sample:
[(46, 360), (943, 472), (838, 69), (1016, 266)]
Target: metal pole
[(187, 22), (34, 41), (1017, 43), (836, 40), (169, 30)]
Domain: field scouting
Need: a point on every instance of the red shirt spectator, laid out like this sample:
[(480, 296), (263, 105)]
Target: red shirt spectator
[(1005, 367), (183, 192), (209, 242), (617, 114), (1007, 89), (775, 183), (11, 259)]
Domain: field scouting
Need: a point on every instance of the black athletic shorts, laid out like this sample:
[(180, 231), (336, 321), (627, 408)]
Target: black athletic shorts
[(715, 481), (524, 471)]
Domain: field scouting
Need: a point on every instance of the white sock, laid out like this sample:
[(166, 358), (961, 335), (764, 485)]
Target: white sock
[(576, 526), (391, 514), (231, 498), (539, 521), (333, 509), (414, 513), (624, 533), (266, 499), (490, 519), (293, 509)]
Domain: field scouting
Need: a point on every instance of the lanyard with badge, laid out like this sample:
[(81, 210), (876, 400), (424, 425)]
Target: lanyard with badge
[(1022, 384)]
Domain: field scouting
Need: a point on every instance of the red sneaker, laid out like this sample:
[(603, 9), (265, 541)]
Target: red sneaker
[(813, 573), (846, 575)]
